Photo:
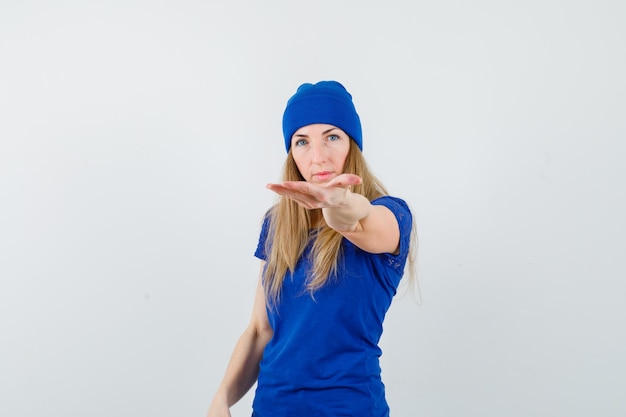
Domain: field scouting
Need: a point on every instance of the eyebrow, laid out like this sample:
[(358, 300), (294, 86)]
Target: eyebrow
[(302, 135)]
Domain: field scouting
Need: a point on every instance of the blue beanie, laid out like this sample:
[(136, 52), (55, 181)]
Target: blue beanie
[(325, 102)]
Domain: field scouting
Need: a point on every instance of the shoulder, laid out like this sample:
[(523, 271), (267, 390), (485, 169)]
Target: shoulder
[(268, 218), (264, 233), (397, 205), (400, 210)]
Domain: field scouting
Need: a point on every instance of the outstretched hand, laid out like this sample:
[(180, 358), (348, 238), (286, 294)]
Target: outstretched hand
[(312, 196)]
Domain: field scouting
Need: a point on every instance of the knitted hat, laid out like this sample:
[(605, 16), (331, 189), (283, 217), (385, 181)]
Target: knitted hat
[(325, 102)]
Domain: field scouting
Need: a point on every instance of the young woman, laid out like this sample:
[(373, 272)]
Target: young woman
[(333, 251)]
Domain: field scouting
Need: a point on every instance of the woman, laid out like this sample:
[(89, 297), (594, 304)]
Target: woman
[(333, 251)]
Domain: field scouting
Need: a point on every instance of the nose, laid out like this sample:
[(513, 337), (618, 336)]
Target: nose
[(318, 152)]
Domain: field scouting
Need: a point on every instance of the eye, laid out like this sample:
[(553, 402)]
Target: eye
[(333, 138), (300, 142)]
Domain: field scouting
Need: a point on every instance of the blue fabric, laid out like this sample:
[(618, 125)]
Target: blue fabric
[(325, 102), (323, 359)]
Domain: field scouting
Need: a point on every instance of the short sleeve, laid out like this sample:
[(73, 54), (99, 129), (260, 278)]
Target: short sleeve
[(405, 222), (260, 249)]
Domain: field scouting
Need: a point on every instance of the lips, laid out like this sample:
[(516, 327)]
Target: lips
[(323, 176)]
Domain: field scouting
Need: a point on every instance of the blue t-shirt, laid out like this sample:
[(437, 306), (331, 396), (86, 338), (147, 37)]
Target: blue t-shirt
[(323, 357)]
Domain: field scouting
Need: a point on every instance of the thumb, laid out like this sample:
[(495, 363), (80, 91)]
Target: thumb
[(347, 179)]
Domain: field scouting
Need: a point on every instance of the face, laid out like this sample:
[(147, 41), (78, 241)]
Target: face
[(320, 152)]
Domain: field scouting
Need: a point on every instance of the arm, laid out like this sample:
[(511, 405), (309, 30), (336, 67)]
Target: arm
[(370, 227), (243, 367)]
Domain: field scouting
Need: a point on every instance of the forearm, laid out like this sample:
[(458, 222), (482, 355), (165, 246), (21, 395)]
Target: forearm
[(346, 216), (243, 367)]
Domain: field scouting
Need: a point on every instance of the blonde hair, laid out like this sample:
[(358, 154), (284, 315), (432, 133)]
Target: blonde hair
[(290, 229)]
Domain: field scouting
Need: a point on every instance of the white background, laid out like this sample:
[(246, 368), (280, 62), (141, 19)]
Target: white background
[(136, 138)]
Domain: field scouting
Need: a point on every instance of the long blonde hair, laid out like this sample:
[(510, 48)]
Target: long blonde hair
[(291, 225)]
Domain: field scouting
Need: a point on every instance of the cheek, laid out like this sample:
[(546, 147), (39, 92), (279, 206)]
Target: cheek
[(343, 160), (300, 164)]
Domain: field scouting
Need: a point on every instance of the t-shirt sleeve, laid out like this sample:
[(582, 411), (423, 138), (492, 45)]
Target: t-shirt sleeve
[(260, 249), (405, 222)]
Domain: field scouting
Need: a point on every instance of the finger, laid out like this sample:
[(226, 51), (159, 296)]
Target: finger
[(277, 188), (287, 189), (304, 200), (287, 185), (301, 187), (345, 180)]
